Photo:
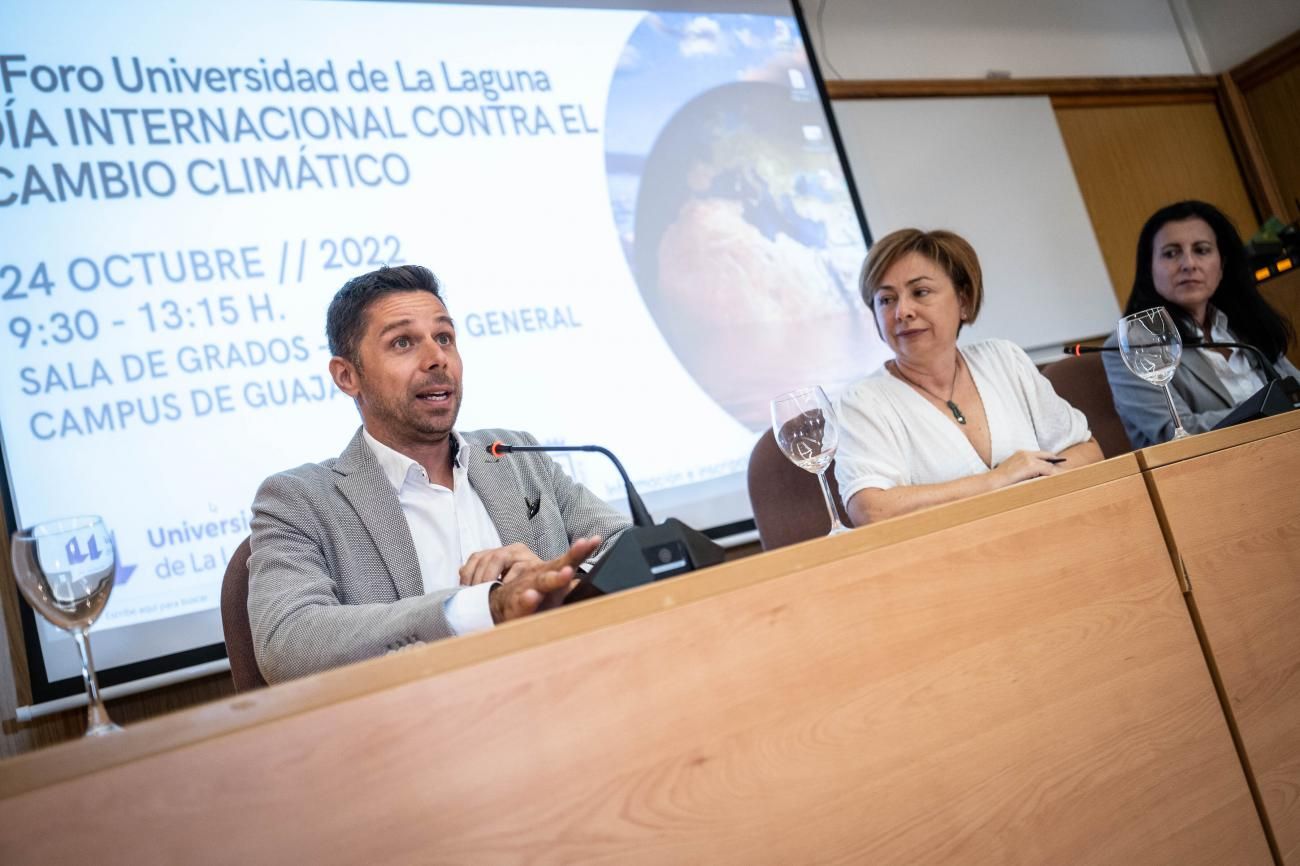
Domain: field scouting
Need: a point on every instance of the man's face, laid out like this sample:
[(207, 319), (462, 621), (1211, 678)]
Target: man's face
[(408, 381)]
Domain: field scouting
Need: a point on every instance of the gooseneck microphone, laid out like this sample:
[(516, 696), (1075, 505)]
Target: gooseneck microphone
[(1279, 394), (1077, 349), (640, 516), (643, 553), (1270, 372)]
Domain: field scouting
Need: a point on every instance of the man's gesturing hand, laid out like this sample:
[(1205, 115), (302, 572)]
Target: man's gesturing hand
[(528, 586), (489, 565)]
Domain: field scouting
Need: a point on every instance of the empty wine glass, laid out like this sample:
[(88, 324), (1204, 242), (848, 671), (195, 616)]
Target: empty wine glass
[(805, 429), (65, 569), (1152, 347)]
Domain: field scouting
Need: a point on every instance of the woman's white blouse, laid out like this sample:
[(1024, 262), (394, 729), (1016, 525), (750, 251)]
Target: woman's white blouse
[(891, 436), (1237, 371)]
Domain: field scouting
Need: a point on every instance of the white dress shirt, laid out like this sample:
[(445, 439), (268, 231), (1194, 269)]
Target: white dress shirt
[(1237, 372), (891, 436), (447, 526)]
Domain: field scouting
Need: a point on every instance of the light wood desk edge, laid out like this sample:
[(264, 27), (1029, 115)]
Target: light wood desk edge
[(1158, 461), (31, 771), (1216, 440)]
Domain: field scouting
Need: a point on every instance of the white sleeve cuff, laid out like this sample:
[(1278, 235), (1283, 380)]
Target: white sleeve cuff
[(468, 611)]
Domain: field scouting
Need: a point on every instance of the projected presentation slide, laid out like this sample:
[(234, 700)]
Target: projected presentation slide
[(639, 217)]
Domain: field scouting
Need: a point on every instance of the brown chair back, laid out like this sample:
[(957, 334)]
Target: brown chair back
[(1081, 381), (787, 501), (234, 621)]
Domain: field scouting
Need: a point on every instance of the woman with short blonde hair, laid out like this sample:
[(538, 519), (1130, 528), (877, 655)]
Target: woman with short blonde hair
[(950, 251), (939, 423)]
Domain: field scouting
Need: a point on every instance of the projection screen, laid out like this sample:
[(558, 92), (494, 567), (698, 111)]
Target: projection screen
[(640, 214)]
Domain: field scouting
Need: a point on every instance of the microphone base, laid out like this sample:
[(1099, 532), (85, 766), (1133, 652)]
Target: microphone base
[(1275, 398), (644, 554)]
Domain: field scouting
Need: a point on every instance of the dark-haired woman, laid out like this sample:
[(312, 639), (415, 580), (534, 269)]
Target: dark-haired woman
[(1191, 261)]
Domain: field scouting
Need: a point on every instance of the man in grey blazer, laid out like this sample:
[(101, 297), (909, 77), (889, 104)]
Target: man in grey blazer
[(415, 532)]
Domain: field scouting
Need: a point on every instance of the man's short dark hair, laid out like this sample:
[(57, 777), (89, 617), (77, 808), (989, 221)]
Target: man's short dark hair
[(346, 320)]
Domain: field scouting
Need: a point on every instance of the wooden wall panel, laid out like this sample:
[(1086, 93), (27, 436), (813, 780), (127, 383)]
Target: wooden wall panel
[(1275, 109), (1131, 160), (1270, 83), (1284, 293)]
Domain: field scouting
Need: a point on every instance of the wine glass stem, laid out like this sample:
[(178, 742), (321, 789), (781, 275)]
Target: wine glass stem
[(836, 525), (96, 713), (1179, 432)]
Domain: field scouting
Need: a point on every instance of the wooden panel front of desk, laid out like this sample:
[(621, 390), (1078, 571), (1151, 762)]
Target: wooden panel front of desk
[(1012, 679), (1234, 518)]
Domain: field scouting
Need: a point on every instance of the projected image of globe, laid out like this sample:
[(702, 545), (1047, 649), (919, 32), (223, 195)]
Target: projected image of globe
[(734, 252), (744, 243)]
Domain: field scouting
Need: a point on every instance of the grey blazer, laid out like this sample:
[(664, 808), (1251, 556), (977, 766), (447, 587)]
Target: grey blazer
[(1201, 398), (334, 577)]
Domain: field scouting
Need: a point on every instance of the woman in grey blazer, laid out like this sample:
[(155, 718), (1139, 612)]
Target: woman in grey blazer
[(1191, 261)]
